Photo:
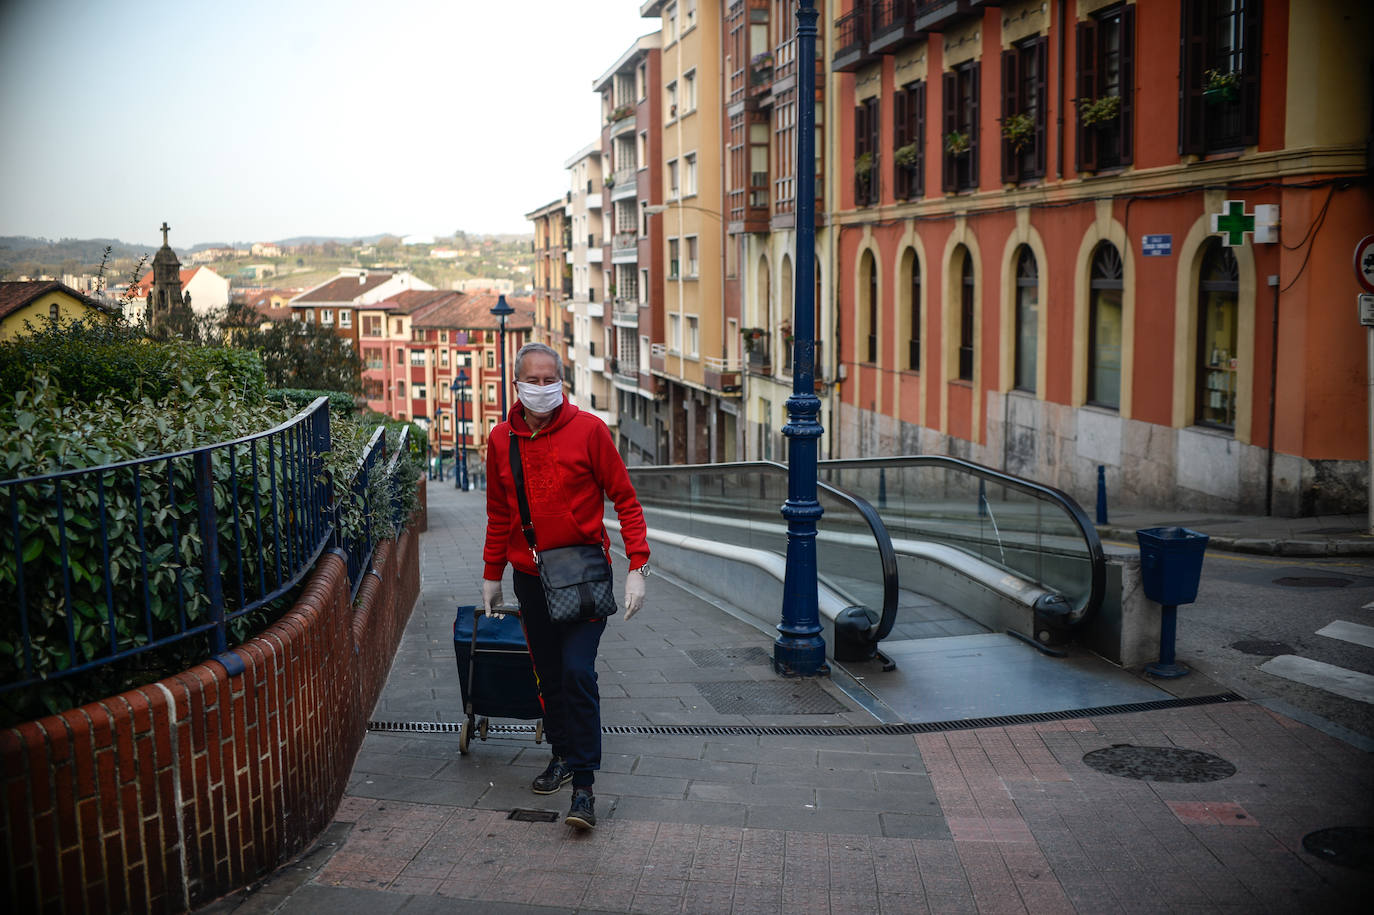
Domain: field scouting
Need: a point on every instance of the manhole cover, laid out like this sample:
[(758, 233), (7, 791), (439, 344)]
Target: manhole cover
[(728, 657), (525, 815), (1159, 764), (769, 697), (1312, 581), (1348, 846), (1262, 647)]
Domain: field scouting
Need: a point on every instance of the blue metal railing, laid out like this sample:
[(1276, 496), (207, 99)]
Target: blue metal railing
[(103, 563)]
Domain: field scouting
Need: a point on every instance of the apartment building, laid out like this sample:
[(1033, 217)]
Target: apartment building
[(395, 377), (632, 101), (1087, 234), (586, 372), (700, 406), (553, 281), (336, 303)]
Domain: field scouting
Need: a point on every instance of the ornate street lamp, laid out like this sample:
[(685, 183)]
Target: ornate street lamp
[(502, 311), (799, 650), (460, 396), (439, 440)]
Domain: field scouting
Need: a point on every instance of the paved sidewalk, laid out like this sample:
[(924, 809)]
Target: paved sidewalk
[(1321, 535), (994, 819)]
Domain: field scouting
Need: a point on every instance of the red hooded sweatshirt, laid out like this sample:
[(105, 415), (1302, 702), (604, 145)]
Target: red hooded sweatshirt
[(571, 467)]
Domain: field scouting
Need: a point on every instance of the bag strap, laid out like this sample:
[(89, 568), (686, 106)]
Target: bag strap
[(517, 470)]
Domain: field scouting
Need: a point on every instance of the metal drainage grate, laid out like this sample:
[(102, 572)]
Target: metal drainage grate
[(834, 730), (1262, 647), (769, 697), (1348, 846), (728, 657), (1312, 581), (526, 815), (1159, 764)]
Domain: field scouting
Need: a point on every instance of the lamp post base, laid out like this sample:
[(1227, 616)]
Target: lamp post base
[(1166, 671), (794, 657)]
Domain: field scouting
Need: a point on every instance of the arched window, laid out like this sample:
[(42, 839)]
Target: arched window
[(1218, 311), (785, 306), (1104, 328), (965, 314), (870, 274), (913, 345), (1027, 319)]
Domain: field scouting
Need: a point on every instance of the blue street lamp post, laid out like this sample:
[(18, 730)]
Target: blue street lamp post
[(800, 650), (460, 394), (439, 439), (502, 311)]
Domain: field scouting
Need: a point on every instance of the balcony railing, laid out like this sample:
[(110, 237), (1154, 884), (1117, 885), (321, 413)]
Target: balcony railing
[(851, 40), (722, 375)]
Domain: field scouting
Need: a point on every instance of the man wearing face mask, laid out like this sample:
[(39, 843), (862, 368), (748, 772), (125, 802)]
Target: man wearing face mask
[(571, 467)]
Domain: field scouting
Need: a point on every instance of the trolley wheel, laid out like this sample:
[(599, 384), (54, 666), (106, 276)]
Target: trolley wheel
[(482, 728), (464, 735), (539, 731)]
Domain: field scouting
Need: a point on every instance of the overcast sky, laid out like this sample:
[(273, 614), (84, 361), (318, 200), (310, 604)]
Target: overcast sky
[(256, 120)]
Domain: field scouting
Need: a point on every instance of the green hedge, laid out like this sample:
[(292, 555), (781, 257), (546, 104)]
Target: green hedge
[(95, 361), (341, 403)]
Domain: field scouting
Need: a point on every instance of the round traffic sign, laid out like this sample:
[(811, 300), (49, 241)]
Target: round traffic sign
[(1364, 262)]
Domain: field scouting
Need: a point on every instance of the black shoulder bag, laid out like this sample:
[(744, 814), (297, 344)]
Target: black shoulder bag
[(576, 579)]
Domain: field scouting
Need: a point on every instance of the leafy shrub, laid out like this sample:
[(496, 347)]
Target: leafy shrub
[(340, 402), (91, 360)]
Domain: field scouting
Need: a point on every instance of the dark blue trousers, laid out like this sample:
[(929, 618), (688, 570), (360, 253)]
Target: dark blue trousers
[(565, 665)]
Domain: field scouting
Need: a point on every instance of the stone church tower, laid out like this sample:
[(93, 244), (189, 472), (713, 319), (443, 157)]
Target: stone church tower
[(166, 289)]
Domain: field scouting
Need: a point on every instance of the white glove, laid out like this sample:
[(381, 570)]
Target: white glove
[(634, 592), (491, 598)]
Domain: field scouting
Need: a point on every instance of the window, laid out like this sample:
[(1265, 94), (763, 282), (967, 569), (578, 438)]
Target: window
[(1024, 70), (491, 359), (1218, 312), (866, 131), (671, 91), (443, 336), (309, 316), (443, 358), (372, 325), (689, 14), (1027, 319), (1220, 46), (909, 141), (674, 186), (689, 91), (1104, 328), (419, 391), (959, 140), (1106, 70), (672, 258), (758, 164), (490, 392), (400, 356), (417, 357), (642, 82), (870, 274), (446, 422), (670, 23), (400, 389), (913, 346), (691, 255), (372, 389), (417, 335), (966, 316), (374, 358), (675, 333), (693, 336), (689, 175), (54, 310), (396, 327)]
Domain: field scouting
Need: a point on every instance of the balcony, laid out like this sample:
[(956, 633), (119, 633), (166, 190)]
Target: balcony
[(757, 357), (933, 15), (623, 184), (622, 120), (893, 25), (658, 357), (625, 314), (625, 247), (851, 41), (722, 375)]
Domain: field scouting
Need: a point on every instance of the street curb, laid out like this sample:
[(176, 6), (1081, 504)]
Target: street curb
[(1263, 546)]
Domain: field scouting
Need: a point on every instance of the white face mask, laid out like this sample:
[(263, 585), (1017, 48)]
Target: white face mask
[(540, 398)]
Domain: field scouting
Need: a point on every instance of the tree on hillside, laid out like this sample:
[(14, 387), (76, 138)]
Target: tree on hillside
[(295, 354)]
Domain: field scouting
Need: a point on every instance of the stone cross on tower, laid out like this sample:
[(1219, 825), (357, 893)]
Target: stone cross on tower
[(165, 229)]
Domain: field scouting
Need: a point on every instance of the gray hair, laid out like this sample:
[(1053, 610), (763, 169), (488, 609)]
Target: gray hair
[(530, 349)]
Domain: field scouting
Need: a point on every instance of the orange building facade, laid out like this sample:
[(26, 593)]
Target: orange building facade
[(1024, 258)]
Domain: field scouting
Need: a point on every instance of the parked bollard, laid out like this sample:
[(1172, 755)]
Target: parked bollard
[(1170, 567), (1101, 494)]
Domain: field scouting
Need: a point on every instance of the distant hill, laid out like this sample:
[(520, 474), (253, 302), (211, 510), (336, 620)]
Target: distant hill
[(85, 252)]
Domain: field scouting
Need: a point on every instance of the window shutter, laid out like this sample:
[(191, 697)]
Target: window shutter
[(1085, 137), (1250, 73), (900, 182), (1042, 102), (918, 134), (973, 127), (1191, 132), (950, 88), (875, 126), (1010, 79), (860, 138), (1127, 122)]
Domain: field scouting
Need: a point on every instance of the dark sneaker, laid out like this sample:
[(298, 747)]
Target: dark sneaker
[(582, 814), (551, 779)]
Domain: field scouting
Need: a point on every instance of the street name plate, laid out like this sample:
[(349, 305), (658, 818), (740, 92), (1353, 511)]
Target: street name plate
[(1157, 245), (1366, 301)]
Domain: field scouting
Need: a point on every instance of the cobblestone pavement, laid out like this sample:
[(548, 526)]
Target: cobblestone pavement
[(994, 819)]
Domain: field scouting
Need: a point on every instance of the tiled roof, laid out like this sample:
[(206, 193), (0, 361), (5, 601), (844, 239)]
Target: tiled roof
[(145, 283), (14, 296), (473, 312), (342, 289), (416, 301)]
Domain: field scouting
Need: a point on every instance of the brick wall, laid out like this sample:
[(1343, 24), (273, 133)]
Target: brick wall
[(170, 795)]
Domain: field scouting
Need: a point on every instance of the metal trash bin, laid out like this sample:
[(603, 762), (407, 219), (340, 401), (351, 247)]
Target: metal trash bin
[(1170, 569)]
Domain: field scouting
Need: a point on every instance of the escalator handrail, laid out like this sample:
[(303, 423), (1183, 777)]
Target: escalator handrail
[(887, 555), (1097, 557)]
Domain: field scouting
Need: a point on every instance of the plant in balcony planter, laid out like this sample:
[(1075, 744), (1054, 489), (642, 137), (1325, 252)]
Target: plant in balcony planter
[(1094, 112), (957, 142), (1019, 129), (863, 166), (761, 61), (1220, 86), (906, 156), (609, 181)]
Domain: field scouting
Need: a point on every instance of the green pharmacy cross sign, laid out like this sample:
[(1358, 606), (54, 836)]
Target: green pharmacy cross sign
[(1232, 224)]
